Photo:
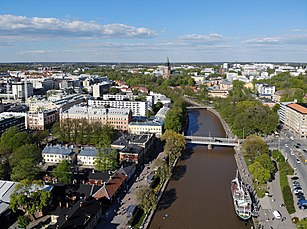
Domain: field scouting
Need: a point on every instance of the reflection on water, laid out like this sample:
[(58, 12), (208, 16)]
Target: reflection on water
[(198, 195)]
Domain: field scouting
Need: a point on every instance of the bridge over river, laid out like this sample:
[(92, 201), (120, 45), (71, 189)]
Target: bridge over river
[(210, 141)]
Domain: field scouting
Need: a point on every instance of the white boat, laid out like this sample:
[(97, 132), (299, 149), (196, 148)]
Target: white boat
[(241, 199)]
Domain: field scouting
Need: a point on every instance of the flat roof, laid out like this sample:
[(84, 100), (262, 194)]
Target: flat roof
[(300, 107)]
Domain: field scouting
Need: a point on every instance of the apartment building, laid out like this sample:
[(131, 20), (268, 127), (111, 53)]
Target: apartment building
[(138, 108), (40, 120), (294, 117), (148, 127), (57, 153), (118, 118), (87, 156)]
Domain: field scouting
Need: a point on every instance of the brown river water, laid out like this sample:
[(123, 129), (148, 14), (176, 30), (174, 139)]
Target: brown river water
[(198, 195)]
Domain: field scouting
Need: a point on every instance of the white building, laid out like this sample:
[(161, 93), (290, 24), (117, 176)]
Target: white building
[(157, 97), (57, 153), (265, 89), (87, 156), (138, 108), (18, 90), (294, 117), (41, 119), (148, 127), (101, 88)]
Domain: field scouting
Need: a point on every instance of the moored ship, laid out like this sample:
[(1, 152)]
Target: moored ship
[(241, 199)]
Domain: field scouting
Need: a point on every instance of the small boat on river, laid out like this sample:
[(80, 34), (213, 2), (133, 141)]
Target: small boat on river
[(241, 199)]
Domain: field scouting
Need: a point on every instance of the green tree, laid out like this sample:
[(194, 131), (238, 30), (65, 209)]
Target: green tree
[(106, 159), (25, 169), (63, 172), (32, 152), (1, 171), (23, 221), (259, 173), (175, 143), (146, 198), (254, 146), (30, 197), (162, 170), (266, 162)]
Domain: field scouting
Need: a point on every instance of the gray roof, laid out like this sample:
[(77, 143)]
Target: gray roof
[(88, 151), (6, 190), (58, 149), (148, 123)]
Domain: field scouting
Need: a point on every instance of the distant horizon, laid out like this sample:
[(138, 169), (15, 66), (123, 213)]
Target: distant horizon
[(137, 31)]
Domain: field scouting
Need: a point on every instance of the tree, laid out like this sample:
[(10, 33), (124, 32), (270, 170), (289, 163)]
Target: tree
[(23, 221), (30, 151), (259, 173), (254, 146), (30, 197), (25, 169), (266, 162), (175, 143), (63, 172), (146, 198), (162, 171), (106, 159), (1, 171)]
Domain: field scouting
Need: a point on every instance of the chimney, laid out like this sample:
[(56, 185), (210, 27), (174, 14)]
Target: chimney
[(66, 217), (60, 204), (93, 171), (81, 203), (67, 205)]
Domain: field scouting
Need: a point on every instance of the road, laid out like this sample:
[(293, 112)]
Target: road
[(296, 158)]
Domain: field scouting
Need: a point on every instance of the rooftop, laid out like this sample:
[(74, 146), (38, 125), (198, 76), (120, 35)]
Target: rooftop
[(58, 149), (300, 107), (148, 123), (88, 151)]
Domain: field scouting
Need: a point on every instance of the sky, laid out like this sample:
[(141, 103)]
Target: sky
[(152, 30)]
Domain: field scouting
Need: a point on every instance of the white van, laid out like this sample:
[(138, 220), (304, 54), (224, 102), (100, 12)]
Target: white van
[(277, 214)]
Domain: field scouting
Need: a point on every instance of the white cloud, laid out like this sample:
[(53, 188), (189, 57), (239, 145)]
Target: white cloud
[(19, 26), (300, 39), (35, 52), (204, 38)]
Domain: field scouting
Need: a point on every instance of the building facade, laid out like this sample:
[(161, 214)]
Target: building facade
[(117, 118), (57, 153), (138, 108), (42, 119), (294, 116), (146, 128)]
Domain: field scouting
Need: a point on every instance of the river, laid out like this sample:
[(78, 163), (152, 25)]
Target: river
[(198, 194)]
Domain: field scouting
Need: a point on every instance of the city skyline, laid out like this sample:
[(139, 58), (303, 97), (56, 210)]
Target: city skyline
[(197, 31)]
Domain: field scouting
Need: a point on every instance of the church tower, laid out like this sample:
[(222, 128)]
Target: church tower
[(167, 69)]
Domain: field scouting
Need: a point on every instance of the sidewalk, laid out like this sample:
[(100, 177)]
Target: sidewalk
[(275, 202)]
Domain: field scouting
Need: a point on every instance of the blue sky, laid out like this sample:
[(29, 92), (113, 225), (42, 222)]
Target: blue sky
[(149, 31)]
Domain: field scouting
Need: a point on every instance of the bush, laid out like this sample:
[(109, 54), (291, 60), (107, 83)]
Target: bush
[(23, 221), (288, 198)]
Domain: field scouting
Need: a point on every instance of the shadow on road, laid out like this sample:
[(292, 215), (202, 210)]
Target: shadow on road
[(167, 199)]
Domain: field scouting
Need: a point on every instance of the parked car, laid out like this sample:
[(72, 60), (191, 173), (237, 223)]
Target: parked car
[(298, 161), (295, 178), (277, 214)]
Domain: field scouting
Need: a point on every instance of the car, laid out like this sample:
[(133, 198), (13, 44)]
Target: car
[(295, 178), (304, 150), (292, 138), (299, 144), (291, 152), (298, 161), (298, 192), (286, 145), (296, 146), (276, 214)]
